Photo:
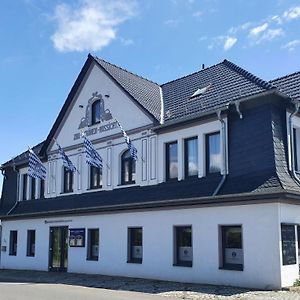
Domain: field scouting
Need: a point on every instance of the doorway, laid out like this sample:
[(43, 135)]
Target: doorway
[(58, 249)]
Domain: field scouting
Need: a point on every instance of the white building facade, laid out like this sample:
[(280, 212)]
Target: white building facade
[(212, 197)]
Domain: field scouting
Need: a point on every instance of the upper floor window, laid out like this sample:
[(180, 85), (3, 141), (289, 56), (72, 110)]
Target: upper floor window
[(24, 186), (191, 157), (32, 188), (68, 181), (171, 161), (42, 188), (95, 177), (213, 153), (96, 112), (127, 168), (296, 135)]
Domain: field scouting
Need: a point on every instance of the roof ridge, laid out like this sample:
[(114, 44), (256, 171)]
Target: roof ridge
[(125, 70), (285, 76), (191, 74), (255, 79)]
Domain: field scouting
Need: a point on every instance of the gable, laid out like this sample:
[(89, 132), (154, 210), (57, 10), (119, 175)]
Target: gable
[(116, 104)]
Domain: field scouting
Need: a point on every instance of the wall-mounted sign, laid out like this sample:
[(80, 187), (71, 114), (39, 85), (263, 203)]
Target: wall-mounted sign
[(77, 237), (105, 115)]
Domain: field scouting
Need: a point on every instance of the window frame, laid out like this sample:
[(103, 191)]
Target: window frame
[(177, 262), (99, 173), (42, 189), (13, 240), (89, 255), (207, 152), (130, 172), (167, 158), (223, 264), (70, 188), (186, 158), (284, 262), (32, 188), (31, 240), (130, 258)]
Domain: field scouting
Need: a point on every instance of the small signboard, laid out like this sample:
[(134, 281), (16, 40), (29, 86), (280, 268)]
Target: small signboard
[(77, 237)]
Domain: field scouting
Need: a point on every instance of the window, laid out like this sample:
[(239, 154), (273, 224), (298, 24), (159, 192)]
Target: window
[(288, 240), (296, 135), (191, 157), (24, 186), (93, 244), (135, 245), (96, 112), (32, 188), (213, 153), (183, 251), (68, 181), (127, 168), (171, 161), (30, 242), (232, 248), (95, 177), (13, 239), (42, 188)]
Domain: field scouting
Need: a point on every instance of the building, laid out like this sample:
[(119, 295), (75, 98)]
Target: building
[(212, 198)]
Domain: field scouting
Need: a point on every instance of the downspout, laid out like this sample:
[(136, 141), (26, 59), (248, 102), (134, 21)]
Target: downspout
[(224, 145), (18, 186), (291, 141)]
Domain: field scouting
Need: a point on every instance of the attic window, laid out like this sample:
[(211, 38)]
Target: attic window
[(200, 91)]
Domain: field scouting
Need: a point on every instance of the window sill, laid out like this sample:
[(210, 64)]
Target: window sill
[(94, 188), (134, 261), (31, 255), (183, 264), (62, 193), (232, 268), (10, 254)]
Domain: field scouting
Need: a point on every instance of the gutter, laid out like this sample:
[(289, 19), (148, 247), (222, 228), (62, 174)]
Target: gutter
[(291, 142)]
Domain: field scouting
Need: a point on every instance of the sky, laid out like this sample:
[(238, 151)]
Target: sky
[(44, 44)]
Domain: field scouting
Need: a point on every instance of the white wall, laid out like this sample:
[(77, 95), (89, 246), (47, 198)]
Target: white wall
[(260, 240)]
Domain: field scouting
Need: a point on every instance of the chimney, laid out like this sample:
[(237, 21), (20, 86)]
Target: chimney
[(203, 66)]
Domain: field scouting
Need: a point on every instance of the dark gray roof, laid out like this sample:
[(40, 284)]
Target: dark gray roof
[(227, 82), (289, 85), (23, 157), (144, 91)]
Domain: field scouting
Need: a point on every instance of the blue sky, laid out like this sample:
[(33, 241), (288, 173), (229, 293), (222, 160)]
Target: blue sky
[(44, 44)]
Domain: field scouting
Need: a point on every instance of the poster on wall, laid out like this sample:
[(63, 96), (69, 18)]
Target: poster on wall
[(77, 237)]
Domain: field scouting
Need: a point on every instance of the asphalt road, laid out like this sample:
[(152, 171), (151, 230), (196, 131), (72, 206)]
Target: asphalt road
[(29, 291)]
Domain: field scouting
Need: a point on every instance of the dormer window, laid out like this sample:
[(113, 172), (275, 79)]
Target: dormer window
[(127, 168), (96, 112), (200, 91)]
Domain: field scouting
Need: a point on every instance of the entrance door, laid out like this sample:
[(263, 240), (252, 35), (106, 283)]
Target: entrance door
[(58, 249)]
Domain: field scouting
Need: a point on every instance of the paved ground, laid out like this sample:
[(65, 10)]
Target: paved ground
[(32, 285)]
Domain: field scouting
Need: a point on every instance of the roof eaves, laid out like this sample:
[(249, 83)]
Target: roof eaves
[(258, 81)]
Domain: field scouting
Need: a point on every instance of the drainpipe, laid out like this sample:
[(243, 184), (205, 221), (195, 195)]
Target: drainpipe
[(291, 141), (224, 144)]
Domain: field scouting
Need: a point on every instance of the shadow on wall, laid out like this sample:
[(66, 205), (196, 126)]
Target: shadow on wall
[(115, 283)]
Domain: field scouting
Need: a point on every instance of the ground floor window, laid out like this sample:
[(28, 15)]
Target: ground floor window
[(93, 244), (135, 245), (232, 248), (288, 240), (183, 251), (13, 240), (30, 242)]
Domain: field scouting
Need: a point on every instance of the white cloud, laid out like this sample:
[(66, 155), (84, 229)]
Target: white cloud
[(126, 42), (198, 14), (229, 43), (270, 35), (91, 25), (171, 23), (258, 30), (292, 13), (292, 45)]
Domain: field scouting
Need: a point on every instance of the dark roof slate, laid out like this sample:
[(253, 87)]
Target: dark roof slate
[(289, 85), (144, 91), (227, 82)]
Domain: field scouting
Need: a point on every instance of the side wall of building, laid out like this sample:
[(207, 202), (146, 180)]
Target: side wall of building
[(260, 238)]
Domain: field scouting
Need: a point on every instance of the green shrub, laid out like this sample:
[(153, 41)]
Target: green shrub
[(297, 282)]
